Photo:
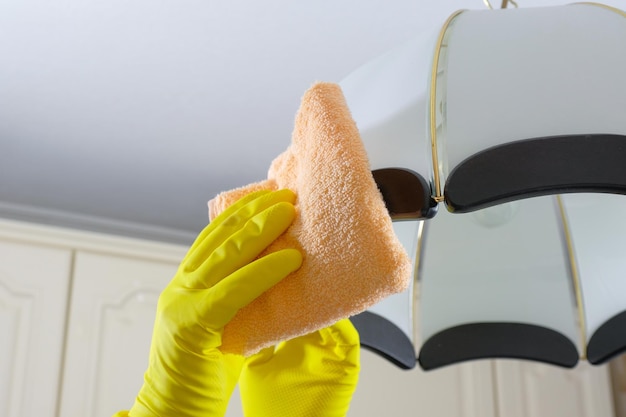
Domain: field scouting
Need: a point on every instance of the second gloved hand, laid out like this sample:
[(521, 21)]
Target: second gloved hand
[(314, 375)]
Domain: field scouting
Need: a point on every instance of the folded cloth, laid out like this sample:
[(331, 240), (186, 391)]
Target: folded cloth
[(352, 258)]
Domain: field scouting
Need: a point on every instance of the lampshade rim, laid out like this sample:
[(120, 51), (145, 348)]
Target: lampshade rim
[(538, 166), (490, 340)]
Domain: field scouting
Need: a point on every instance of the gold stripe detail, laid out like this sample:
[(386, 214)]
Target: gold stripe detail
[(603, 6), (570, 246), (433, 104), (416, 283), (575, 278), (503, 5)]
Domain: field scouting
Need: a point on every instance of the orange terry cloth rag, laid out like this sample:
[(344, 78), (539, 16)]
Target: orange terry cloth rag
[(352, 258)]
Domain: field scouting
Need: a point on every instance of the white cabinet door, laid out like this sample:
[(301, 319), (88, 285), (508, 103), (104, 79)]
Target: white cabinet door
[(111, 316), (464, 390), (110, 328), (538, 390), (33, 301)]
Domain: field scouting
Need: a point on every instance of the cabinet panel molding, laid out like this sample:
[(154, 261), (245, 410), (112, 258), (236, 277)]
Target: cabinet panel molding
[(461, 390), (59, 237), (540, 390), (109, 331), (33, 300)]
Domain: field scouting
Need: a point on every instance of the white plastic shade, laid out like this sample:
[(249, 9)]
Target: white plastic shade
[(545, 85), (597, 226), (516, 74), (513, 75), (388, 100), (498, 265)]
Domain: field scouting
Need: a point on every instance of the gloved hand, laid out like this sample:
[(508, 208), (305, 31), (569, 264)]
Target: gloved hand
[(188, 375), (314, 375)]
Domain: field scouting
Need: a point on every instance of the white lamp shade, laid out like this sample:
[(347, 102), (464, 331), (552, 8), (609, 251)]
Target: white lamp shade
[(550, 77), (597, 224), (388, 328), (497, 283), (500, 112), (388, 100)]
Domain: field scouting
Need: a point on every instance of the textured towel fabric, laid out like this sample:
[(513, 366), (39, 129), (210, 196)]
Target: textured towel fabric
[(352, 258)]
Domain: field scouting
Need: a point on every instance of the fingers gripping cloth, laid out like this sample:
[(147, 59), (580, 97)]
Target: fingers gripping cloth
[(352, 258)]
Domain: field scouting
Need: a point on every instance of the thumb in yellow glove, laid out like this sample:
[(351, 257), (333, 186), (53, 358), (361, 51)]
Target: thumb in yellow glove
[(188, 375), (314, 375)]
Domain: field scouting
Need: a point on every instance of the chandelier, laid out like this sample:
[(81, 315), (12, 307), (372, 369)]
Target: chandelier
[(499, 146)]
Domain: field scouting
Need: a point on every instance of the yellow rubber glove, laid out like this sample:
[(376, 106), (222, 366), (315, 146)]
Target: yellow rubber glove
[(314, 375), (188, 375)]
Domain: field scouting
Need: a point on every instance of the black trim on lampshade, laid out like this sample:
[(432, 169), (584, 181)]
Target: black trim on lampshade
[(497, 340), (384, 338), (608, 341), (535, 167), (406, 194)]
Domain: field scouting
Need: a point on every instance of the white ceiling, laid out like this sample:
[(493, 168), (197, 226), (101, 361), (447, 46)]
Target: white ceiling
[(127, 116)]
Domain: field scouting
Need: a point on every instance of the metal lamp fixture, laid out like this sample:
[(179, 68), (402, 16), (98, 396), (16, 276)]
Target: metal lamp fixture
[(515, 121)]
